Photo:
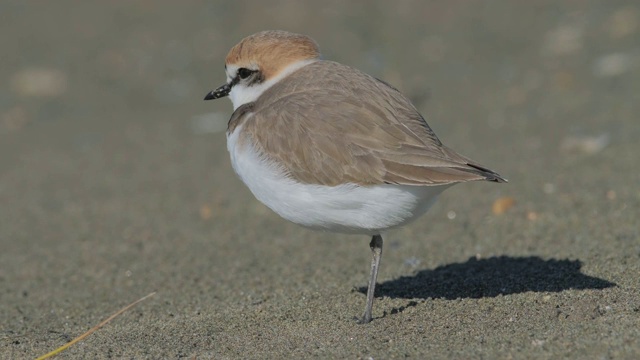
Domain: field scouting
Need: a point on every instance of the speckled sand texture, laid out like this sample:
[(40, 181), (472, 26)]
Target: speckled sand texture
[(115, 182)]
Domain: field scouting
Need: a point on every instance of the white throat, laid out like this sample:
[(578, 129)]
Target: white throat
[(241, 94)]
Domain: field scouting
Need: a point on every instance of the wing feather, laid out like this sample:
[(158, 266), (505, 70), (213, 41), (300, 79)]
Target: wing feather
[(327, 130)]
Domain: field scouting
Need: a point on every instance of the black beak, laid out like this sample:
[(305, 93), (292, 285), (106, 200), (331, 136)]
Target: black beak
[(218, 93)]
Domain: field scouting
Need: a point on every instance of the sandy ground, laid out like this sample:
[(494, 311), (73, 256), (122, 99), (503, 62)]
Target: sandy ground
[(115, 182)]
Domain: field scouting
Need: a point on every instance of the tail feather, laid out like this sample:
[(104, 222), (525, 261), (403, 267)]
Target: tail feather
[(489, 174)]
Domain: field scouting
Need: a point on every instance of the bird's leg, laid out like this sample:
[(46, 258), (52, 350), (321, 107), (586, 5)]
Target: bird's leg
[(376, 249)]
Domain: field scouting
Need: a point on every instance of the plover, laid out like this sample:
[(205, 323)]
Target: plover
[(329, 147)]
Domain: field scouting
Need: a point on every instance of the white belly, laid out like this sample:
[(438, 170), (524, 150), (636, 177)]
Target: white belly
[(345, 208)]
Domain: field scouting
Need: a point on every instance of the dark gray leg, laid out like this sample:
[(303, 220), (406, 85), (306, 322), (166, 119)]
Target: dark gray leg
[(376, 249)]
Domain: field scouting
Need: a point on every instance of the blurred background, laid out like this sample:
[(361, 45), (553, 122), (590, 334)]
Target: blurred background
[(115, 178)]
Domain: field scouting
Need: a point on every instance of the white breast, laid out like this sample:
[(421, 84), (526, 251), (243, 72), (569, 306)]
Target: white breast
[(347, 208)]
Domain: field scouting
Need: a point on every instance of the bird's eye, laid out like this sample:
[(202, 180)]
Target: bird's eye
[(244, 73)]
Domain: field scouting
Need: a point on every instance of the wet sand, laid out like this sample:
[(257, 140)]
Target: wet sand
[(115, 182)]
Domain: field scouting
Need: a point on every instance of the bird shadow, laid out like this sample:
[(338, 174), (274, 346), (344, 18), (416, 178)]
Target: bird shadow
[(479, 278)]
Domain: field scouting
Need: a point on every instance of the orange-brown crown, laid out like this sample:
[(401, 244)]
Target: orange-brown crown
[(272, 50)]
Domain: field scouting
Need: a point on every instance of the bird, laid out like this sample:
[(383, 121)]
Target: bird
[(329, 147)]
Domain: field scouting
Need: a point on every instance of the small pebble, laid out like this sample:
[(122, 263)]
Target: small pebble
[(39, 82), (614, 64), (585, 144), (501, 205)]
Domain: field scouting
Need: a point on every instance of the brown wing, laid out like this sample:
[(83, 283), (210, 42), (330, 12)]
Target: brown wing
[(334, 132)]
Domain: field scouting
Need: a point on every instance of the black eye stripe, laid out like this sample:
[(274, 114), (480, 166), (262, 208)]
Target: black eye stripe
[(244, 73)]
